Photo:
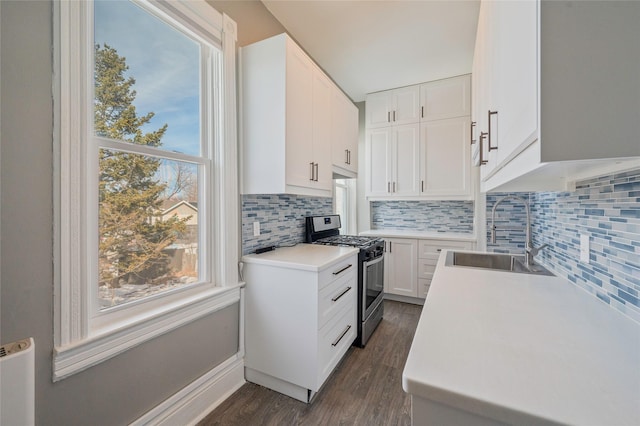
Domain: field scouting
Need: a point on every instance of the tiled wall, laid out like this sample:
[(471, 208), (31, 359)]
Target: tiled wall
[(281, 218), (607, 209), (433, 216)]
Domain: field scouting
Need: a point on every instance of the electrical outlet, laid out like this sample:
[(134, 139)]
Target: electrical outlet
[(256, 229), (584, 248)]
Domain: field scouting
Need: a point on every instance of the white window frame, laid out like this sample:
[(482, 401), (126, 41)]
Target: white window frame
[(83, 336)]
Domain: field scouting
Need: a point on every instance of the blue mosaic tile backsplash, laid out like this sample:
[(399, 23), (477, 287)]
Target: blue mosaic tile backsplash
[(431, 216), (607, 209), (281, 218)]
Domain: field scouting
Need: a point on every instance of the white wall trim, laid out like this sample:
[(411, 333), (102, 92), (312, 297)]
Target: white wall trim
[(196, 400)]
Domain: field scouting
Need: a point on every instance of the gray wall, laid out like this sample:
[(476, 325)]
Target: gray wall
[(123, 388)]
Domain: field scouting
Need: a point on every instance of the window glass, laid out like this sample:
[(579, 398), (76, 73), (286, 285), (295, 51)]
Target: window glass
[(148, 226), (147, 78), (147, 121), (342, 204)]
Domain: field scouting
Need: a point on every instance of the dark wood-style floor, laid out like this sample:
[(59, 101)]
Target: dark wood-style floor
[(365, 389)]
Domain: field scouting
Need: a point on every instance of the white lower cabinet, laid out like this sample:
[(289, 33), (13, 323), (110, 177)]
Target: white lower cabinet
[(410, 264), (298, 324), (400, 267)]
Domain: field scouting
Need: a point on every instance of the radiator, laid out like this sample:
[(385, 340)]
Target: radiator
[(17, 381)]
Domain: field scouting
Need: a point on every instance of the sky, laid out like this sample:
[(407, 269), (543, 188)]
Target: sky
[(165, 65)]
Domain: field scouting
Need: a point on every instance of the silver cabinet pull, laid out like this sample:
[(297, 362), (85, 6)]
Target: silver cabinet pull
[(349, 156), (346, 156), (335, 299), (394, 115), (388, 116), (422, 183), (311, 164), (394, 187), (422, 112), (316, 166), (482, 160), (341, 336), (388, 186), (389, 246), (473, 124), (489, 114), (343, 269), (438, 250)]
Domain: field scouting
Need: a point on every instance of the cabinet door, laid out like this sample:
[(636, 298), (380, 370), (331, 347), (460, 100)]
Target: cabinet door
[(321, 130), (344, 126), (378, 109), (401, 260), (406, 160), (515, 91), (378, 168), (446, 98), (406, 105), (444, 157), (299, 117)]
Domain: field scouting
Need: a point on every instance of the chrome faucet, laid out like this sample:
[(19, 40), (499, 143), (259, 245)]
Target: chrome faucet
[(530, 250)]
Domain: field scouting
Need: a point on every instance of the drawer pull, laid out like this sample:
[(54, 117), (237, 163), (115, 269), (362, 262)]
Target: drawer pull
[(438, 250), (341, 336), (335, 299), (343, 269)]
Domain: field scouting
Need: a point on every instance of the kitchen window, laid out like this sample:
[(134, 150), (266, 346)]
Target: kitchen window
[(344, 204), (146, 173)]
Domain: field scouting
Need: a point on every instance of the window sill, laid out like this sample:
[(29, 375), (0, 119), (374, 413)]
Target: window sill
[(93, 350)]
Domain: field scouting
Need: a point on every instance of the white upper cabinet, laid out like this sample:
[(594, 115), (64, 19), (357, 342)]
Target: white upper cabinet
[(428, 158), (392, 158), (446, 98), (393, 107), (289, 124), (344, 127), (558, 92), (445, 157)]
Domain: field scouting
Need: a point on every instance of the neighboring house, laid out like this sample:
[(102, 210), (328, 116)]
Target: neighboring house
[(181, 209)]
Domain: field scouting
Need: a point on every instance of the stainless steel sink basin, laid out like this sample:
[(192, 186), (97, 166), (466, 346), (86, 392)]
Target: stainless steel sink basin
[(494, 261)]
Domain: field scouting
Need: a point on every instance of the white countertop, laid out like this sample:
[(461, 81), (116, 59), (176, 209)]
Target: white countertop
[(401, 233), (524, 349), (308, 257)]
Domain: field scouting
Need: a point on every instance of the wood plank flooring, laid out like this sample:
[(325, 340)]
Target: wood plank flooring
[(365, 388)]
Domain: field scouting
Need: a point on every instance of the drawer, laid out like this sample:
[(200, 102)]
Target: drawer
[(423, 287), (334, 340), (426, 268), (434, 247), (338, 270), (335, 296)]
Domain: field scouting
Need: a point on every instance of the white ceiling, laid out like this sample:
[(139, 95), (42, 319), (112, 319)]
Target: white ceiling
[(368, 46)]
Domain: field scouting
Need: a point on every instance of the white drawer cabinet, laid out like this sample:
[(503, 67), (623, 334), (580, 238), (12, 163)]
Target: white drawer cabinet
[(299, 322), (410, 264)]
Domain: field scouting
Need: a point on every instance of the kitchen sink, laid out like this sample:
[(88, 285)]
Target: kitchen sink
[(494, 261)]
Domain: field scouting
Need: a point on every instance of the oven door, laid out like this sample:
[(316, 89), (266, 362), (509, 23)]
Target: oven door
[(372, 285)]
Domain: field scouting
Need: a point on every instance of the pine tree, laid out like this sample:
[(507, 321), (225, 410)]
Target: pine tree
[(132, 236)]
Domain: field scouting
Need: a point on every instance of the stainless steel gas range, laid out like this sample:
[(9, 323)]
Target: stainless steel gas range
[(325, 230)]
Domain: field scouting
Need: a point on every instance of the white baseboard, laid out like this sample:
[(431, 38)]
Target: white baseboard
[(195, 401)]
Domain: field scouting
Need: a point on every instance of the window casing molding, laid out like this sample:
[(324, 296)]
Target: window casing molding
[(81, 339)]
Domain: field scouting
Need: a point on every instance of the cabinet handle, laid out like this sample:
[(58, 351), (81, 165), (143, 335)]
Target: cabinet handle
[(341, 336), (388, 186), (346, 156), (388, 116), (343, 269), (394, 187), (311, 164), (394, 115), (438, 250), (422, 184), (482, 160), (316, 166), (422, 112), (489, 114), (473, 124), (389, 246), (335, 299), (349, 151)]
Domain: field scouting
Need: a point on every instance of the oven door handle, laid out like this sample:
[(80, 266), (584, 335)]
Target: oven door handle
[(373, 262)]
